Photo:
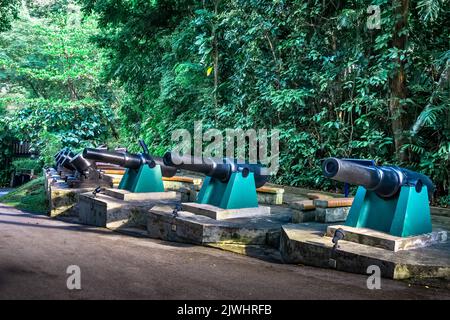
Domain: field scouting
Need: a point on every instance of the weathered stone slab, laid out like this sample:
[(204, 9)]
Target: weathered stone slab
[(61, 197), (328, 215), (437, 211), (262, 252), (187, 180), (299, 216), (187, 227), (139, 196), (306, 244), (63, 201), (188, 187), (386, 241), (223, 214), (317, 195), (270, 195), (115, 171), (333, 202), (302, 205), (105, 211)]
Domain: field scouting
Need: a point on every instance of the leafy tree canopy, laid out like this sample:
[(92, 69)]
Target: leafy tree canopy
[(8, 12), (51, 91)]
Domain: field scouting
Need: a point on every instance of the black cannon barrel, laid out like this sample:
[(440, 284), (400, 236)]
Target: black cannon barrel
[(217, 168), (165, 170), (65, 159), (62, 155), (384, 180), (127, 160), (59, 153), (81, 164)]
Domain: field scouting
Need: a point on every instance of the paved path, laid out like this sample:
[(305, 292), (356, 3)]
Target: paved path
[(4, 191), (35, 252)]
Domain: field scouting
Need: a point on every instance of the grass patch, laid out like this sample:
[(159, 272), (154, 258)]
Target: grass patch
[(29, 197)]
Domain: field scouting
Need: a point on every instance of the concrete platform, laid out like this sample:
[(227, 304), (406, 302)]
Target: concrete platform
[(320, 208), (386, 241), (188, 187), (270, 195), (223, 214), (308, 244), (187, 227), (329, 215), (61, 197), (139, 196), (109, 212)]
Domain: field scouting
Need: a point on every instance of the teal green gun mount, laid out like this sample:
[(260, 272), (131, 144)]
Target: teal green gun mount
[(389, 199), (237, 193), (143, 172), (142, 179), (228, 184)]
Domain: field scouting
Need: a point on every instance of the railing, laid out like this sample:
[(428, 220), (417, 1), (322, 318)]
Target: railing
[(21, 149)]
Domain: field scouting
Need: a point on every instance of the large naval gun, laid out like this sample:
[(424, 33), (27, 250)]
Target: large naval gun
[(389, 198), (228, 183), (143, 172)]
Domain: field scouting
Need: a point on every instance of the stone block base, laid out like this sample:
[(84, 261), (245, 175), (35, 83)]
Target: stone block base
[(299, 216), (63, 201), (63, 198), (164, 223), (105, 211), (139, 196), (306, 244), (186, 186), (328, 215), (270, 195), (223, 214), (386, 241)]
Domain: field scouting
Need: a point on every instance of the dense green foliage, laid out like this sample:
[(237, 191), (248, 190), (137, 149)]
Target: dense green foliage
[(8, 11), (50, 88), (323, 73), (27, 164), (312, 69)]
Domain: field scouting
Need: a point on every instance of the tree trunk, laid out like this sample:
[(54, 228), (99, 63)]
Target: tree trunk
[(398, 82), (216, 58)]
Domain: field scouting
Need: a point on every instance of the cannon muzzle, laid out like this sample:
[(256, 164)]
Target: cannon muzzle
[(220, 169), (65, 159), (60, 156), (386, 181), (81, 164)]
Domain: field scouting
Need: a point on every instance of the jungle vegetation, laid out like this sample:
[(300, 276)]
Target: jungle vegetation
[(362, 79)]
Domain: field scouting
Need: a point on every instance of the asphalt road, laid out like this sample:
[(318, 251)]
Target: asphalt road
[(36, 251)]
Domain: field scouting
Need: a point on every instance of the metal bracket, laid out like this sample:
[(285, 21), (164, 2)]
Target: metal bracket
[(97, 190), (339, 234)]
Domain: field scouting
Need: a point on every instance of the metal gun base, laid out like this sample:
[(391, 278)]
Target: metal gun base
[(143, 179), (237, 193), (404, 215)]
